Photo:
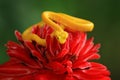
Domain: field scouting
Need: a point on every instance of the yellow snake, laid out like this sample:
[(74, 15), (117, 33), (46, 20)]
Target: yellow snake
[(66, 22)]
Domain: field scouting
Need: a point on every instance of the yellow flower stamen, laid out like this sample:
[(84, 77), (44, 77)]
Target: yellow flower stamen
[(66, 22)]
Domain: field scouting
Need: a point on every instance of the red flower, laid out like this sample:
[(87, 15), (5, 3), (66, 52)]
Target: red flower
[(57, 49), (68, 61)]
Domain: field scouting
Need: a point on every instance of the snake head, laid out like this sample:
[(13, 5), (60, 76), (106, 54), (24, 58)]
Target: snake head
[(61, 36)]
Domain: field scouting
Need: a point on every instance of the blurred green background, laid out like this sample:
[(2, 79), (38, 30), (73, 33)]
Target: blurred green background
[(19, 14)]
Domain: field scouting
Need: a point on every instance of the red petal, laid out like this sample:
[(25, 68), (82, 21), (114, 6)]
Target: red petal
[(17, 51), (18, 36), (78, 42), (81, 65), (15, 70), (88, 45), (12, 61), (65, 50), (34, 51), (57, 67), (49, 75)]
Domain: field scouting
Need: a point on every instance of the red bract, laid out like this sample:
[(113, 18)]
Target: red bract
[(55, 61)]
